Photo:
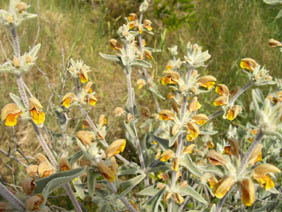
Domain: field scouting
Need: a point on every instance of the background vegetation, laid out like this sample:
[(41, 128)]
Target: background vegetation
[(230, 30)]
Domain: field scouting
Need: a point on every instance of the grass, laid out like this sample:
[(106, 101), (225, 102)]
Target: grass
[(230, 30)]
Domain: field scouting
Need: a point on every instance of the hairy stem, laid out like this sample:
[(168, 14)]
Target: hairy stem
[(123, 199), (21, 87), (234, 98), (11, 198), (251, 149), (243, 166), (136, 139)]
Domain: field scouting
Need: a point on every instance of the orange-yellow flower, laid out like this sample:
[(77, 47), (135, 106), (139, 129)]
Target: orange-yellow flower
[(222, 90), (200, 118), (68, 99), (233, 112), (171, 78), (249, 64), (147, 24), (10, 113), (36, 111), (223, 186), (261, 175), (166, 155), (166, 115), (189, 149), (194, 105), (193, 131), (207, 81), (220, 101), (83, 75)]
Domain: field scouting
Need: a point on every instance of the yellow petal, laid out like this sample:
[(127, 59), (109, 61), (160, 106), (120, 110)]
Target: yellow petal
[(167, 155), (116, 147), (38, 117), (223, 186)]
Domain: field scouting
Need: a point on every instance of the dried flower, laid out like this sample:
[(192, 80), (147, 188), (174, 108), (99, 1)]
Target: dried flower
[(189, 149), (32, 170), (248, 192), (85, 137), (64, 164), (175, 164), (171, 78), (34, 202), (274, 43), (118, 111), (28, 185), (178, 198), (215, 158), (45, 169)]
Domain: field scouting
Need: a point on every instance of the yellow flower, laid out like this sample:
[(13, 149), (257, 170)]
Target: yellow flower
[(212, 181), (256, 155), (249, 64), (200, 119), (261, 175), (21, 6), (171, 78), (147, 24), (83, 75), (210, 145), (227, 150), (207, 81), (233, 112), (166, 115), (10, 113), (248, 192), (116, 147), (36, 111), (140, 83), (193, 131), (194, 105), (223, 186), (220, 101), (132, 17), (91, 99), (68, 99), (222, 90), (215, 158), (166, 155)]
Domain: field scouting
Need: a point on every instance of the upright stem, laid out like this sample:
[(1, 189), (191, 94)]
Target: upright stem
[(243, 166), (37, 131), (123, 199), (247, 156), (137, 142)]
